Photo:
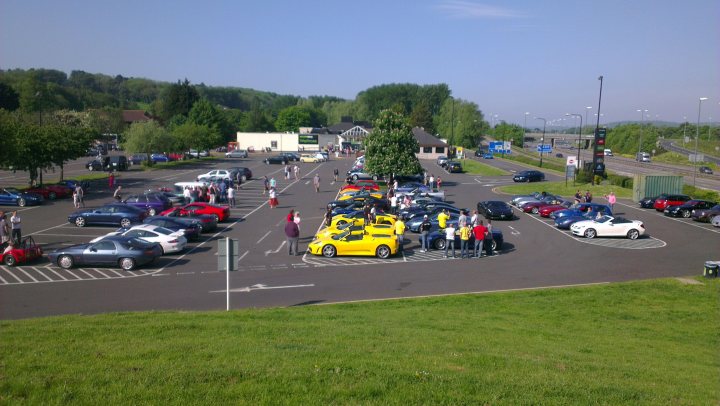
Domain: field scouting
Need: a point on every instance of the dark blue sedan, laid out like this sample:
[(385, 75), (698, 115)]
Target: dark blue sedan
[(159, 158), (436, 240), (190, 227), (112, 214), (565, 222), (125, 252), (414, 224), (579, 209), (12, 196), (151, 202)]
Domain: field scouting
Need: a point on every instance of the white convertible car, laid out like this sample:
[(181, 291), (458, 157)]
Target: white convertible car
[(170, 241), (607, 226)]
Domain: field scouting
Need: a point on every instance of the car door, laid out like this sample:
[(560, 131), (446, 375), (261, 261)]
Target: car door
[(5, 198), (613, 228), (101, 253)]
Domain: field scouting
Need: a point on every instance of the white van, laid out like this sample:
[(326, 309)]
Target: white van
[(643, 157), (608, 152)]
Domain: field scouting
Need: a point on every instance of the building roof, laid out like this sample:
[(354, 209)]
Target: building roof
[(134, 116), (425, 139)]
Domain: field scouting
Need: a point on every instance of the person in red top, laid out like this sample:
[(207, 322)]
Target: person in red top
[(291, 215), (479, 234)]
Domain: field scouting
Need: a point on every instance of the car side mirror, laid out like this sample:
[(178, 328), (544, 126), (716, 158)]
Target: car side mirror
[(93, 249)]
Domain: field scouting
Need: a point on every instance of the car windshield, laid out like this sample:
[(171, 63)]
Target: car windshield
[(163, 230), (341, 235), (603, 219), (12, 190), (344, 226)]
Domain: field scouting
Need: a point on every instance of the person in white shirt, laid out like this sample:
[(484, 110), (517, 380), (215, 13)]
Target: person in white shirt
[(231, 196), (450, 239), (15, 222), (393, 204)]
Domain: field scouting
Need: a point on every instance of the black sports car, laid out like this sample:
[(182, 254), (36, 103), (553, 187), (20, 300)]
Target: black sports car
[(686, 209), (648, 202), (277, 159), (495, 209), (529, 176)]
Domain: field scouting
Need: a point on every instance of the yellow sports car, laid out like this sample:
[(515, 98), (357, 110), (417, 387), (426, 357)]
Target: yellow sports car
[(340, 219), (356, 227), (309, 158), (347, 243), (359, 195)]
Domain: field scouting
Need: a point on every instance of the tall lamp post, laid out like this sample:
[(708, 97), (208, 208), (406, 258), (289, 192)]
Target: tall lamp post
[(542, 139), (642, 124), (579, 140), (587, 109), (525, 129), (697, 135)]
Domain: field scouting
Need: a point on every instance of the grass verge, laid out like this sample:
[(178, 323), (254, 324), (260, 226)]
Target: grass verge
[(472, 167), (651, 342), (559, 188)]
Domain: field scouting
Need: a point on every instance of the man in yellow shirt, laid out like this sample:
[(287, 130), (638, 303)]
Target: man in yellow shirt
[(442, 219), (465, 233), (399, 231)]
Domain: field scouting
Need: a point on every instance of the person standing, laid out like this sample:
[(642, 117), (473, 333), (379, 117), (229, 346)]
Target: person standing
[(400, 232), (266, 185), (393, 204), (76, 199), (4, 230), (479, 233), (474, 219), (450, 239), (273, 198), (465, 233), (439, 183), (296, 218), (80, 196), (111, 181), (16, 223), (316, 182), (432, 181), (231, 196), (328, 217), (462, 219), (296, 171), (118, 194), (442, 219), (611, 200), (488, 242), (292, 232), (588, 197), (291, 215), (578, 196), (335, 171), (425, 227)]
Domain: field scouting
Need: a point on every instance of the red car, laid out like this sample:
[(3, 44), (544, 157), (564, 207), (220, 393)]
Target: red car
[(362, 184), (666, 200), (220, 213), (51, 192), (534, 207), (25, 252), (545, 211)]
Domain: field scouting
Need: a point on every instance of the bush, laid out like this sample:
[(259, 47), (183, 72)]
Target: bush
[(622, 181), (702, 194)]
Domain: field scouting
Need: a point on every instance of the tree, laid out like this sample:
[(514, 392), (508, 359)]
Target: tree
[(177, 99), (391, 147), (421, 117), (292, 118), (509, 132), (195, 136), (461, 123), (256, 121), (205, 113), (9, 98), (147, 137)]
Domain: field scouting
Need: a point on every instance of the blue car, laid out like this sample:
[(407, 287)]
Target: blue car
[(11, 196), (125, 252), (150, 201), (159, 158), (71, 184), (414, 224), (488, 155), (565, 222), (111, 214), (436, 240), (579, 209), (410, 186)]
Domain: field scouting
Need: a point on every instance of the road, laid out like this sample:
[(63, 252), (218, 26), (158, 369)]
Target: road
[(535, 254)]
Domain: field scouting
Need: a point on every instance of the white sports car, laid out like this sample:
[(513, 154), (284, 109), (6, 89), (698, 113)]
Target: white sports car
[(715, 221), (607, 226), (170, 241)]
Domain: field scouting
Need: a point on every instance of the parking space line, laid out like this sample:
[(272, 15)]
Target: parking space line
[(86, 273), (3, 280), (27, 274), (70, 272), (58, 274), (42, 273), (13, 275), (101, 273), (116, 273)]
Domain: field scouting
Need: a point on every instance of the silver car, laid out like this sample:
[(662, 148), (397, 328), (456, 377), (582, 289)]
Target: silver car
[(237, 153)]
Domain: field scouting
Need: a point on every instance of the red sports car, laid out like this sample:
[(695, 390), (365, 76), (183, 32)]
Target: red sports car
[(362, 184), (220, 213), (25, 252), (534, 207), (545, 211), (51, 192)]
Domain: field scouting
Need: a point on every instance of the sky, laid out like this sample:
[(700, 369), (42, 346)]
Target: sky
[(509, 57)]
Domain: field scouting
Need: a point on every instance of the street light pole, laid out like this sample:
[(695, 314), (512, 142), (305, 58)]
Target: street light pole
[(579, 139), (542, 139), (642, 123), (586, 114), (697, 135)]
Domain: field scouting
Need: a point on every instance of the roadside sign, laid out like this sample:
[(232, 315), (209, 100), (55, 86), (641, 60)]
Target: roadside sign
[(573, 161), (544, 148), (222, 255), (500, 147)]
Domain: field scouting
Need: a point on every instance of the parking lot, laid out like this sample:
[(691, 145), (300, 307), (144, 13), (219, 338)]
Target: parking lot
[(535, 254)]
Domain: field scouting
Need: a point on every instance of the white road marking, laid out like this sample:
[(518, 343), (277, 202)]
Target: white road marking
[(27, 274), (263, 237), (268, 252), (260, 286), (41, 273), (12, 274)]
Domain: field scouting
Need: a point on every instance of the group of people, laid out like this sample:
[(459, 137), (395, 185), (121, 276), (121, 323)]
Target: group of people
[(466, 228), (10, 231)]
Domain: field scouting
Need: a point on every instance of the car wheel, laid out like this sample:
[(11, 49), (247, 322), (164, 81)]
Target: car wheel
[(80, 221), (127, 264), (686, 214), (633, 234), (125, 223), (439, 244), (21, 202), (590, 233), (9, 260), (382, 251), (152, 211), (244, 178), (535, 210), (329, 251), (65, 262), (90, 168), (52, 196), (355, 177), (217, 219), (375, 177)]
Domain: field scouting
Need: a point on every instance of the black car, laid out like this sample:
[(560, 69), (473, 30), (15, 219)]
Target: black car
[(433, 212), (685, 210), (277, 159), (648, 202), (245, 173), (94, 165), (291, 156), (381, 204), (480, 153), (705, 169), (529, 176), (436, 240), (425, 205), (454, 167), (496, 210), (190, 227)]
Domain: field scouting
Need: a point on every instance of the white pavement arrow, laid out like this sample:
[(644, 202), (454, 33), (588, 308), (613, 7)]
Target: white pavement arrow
[(514, 231), (260, 286), (268, 252)]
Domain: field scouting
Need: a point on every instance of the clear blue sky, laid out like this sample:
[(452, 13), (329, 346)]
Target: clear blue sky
[(509, 57)]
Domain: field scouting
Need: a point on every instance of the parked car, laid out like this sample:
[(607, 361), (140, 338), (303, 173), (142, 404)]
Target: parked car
[(127, 253), (12, 196), (437, 240), (246, 173), (359, 195), (442, 160), (291, 156), (413, 224), (565, 222), (191, 228), (578, 209), (454, 167), (358, 174), (665, 201), (529, 176), (517, 200), (159, 158), (308, 158), (215, 174), (685, 209), (195, 154), (706, 215), (488, 155), (220, 213), (115, 163), (705, 169), (170, 241), (347, 243), (50, 192), (237, 153), (94, 165), (21, 253), (137, 159), (495, 210), (277, 159), (152, 202), (547, 211), (608, 226), (411, 186), (362, 184), (207, 222), (647, 202), (114, 214), (535, 206)]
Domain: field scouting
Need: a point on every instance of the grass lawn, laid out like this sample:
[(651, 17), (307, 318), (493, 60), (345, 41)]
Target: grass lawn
[(559, 188), (472, 167), (638, 343)]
